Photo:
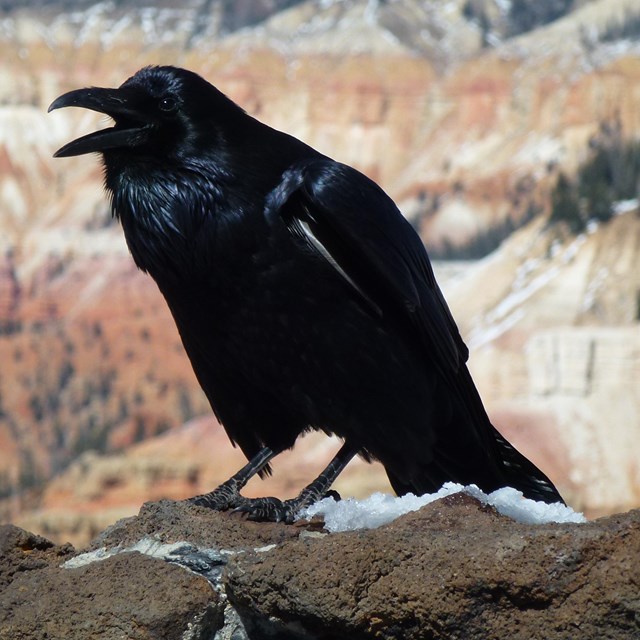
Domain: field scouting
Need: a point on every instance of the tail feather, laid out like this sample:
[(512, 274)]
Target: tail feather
[(470, 450), (512, 469), (523, 475)]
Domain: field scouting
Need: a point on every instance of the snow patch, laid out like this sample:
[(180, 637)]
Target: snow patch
[(517, 297), (504, 6), (146, 546), (480, 337), (531, 277), (380, 508), (540, 149), (593, 288), (185, 554), (624, 206)]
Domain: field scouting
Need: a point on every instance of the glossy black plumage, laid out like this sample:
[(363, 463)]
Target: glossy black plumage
[(302, 296)]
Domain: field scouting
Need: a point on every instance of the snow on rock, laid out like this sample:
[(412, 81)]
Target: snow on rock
[(380, 508), (624, 206), (451, 570)]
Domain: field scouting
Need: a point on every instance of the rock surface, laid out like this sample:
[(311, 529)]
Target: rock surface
[(453, 570), (129, 595), (464, 136)]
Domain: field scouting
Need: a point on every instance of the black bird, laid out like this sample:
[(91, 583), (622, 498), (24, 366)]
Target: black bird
[(303, 297)]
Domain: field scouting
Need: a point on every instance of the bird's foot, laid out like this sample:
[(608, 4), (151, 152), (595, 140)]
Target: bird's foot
[(226, 496), (268, 510), (258, 509), (276, 510)]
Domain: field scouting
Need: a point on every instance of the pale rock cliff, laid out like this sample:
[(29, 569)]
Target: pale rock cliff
[(464, 138)]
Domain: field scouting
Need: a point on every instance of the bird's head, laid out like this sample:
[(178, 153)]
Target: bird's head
[(158, 111)]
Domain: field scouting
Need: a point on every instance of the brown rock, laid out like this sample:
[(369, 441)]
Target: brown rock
[(168, 522), (453, 570), (23, 552), (91, 359), (129, 595)]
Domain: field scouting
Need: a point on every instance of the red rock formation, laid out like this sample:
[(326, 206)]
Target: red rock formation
[(463, 138)]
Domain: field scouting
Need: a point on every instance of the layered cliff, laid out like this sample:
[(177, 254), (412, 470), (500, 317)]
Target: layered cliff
[(464, 120)]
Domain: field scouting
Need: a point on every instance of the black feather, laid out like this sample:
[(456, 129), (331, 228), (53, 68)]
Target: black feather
[(303, 298)]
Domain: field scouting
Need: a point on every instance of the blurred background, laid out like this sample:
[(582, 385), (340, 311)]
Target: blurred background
[(506, 130)]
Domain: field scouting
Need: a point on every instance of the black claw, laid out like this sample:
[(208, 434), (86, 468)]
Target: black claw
[(271, 509), (221, 499), (265, 510), (227, 495)]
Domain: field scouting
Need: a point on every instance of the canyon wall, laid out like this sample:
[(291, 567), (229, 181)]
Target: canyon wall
[(465, 136)]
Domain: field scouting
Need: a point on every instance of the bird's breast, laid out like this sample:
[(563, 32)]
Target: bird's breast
[(170, 223), (265, 302)]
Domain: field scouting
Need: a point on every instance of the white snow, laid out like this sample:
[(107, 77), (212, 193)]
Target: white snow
[(624, 206), (523, 293), (593, 287), (480, 337), (380, 508), (504, 6), (146, 546), (531, 277), (171, 552)]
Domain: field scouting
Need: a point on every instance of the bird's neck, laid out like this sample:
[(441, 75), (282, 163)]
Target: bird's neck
[(164, 214)]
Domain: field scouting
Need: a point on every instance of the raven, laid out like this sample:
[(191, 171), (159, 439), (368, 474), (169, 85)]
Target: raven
[(303, 297)]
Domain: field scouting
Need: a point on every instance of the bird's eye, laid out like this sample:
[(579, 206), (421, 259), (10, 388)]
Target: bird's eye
[(168, 104)]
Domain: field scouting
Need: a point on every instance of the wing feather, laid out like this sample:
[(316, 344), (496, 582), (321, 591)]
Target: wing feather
[(354, 225)]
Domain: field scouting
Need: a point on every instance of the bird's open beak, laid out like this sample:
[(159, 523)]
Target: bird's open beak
[(130, 128)]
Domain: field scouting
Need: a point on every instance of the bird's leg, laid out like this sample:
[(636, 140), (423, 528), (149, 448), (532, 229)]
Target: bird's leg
[(227, 495), (275, 510)]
